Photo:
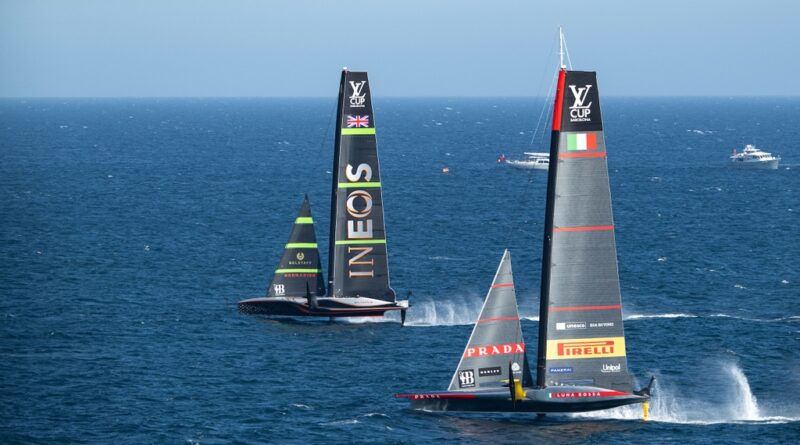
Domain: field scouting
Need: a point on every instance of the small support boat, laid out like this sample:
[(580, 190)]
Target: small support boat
[(537, 161), (752, 157)]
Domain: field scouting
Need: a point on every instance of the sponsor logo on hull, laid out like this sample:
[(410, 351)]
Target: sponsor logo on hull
[(584, 394), (586, 348), (561, 370), (609, 367), (484, 351)]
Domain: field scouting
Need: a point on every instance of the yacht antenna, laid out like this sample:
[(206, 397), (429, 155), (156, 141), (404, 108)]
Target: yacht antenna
[(562, 49)]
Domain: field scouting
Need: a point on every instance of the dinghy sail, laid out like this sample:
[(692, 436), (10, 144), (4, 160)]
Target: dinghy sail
[(581, 356), (358, 266)]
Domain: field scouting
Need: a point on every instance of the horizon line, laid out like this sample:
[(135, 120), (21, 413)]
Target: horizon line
[(677, 96)]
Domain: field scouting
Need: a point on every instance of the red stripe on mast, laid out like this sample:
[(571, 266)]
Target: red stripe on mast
[(562, 75)]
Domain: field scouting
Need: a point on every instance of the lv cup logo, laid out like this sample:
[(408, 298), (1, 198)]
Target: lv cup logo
[(579, 112), (357, 99)]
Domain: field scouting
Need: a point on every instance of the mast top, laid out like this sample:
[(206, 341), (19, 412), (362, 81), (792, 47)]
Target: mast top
[(561, 48)]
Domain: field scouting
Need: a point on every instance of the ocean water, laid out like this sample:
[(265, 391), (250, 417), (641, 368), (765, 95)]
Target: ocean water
[(129, 229)]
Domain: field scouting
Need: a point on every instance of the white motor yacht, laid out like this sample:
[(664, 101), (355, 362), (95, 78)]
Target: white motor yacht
[(752, 157), (539, 161)]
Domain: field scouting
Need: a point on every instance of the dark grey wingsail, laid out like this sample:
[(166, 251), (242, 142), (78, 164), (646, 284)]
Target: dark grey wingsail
[(358, 265), (299, 271), (581, 337), (496, 341)]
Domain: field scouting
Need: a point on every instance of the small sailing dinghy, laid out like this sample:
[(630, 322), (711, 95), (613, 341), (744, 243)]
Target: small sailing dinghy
[(581, 362), (358, 267)]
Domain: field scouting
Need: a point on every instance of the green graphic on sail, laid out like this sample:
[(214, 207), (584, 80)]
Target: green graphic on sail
[(299, 271), (358, 265)]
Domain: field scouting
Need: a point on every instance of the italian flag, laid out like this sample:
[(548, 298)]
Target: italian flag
[(581, 141)]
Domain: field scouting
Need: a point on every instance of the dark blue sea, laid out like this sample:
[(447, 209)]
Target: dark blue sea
[(129, 229)]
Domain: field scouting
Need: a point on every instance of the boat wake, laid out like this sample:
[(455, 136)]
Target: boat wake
[(647, 316), (734, 317), (445, 313), (463, 311), (762, 320), (740, 406)]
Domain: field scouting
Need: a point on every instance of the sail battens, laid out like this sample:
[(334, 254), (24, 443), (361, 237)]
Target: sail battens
[(349, 185), (349, 242), (496, 341), (298, 271), (358, 251), (585, 154), (301, 245), (586, 308), (488, 320), (582, 229), (357, 131), (580, 316)]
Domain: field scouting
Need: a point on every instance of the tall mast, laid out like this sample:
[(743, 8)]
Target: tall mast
[(561, 48), (335, 183)]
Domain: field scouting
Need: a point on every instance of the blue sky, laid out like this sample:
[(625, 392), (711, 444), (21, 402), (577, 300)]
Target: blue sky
[(410, 47)]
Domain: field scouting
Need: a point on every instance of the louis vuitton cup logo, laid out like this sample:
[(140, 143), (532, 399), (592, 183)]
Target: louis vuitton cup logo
[(357, 99), (580, 110)]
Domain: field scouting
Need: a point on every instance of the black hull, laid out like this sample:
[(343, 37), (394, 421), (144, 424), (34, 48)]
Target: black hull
[(267, 306), (538, 401)]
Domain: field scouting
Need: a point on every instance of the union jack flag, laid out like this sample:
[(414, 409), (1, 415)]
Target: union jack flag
[(357, 121)]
